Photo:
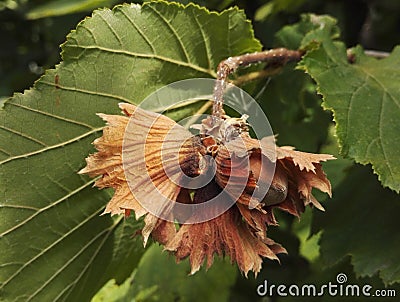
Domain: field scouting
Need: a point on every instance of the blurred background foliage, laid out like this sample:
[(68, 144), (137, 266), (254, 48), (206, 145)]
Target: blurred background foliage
[(30, 35)]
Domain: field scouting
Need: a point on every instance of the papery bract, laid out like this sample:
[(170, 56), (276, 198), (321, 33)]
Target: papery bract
[(160, 153)]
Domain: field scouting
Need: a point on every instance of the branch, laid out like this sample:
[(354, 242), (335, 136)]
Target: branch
[(274, 58)]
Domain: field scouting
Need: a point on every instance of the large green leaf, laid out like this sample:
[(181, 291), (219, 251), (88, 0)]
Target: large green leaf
[(361, 221), (53, 244), (365, 100), (308, 32)]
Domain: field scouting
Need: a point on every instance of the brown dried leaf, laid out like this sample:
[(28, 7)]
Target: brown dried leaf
[(304, 172), (226, 234), (108, 160), (257, 220), (157, 148), (303, 160), (152, 133)]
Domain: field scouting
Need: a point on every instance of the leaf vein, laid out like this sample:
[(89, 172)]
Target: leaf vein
[(23, 135), (5, 152), (137, 28), (109, 230), (86, 246), (91, 34), (13, 206), (54, 243), (90, 92), (382, 86), (50, 114), (381, 119), (351, 107), (172, 29), (147, 56), (52, 204), (111, 29), (62, 144), (206, 43), (370, 145)]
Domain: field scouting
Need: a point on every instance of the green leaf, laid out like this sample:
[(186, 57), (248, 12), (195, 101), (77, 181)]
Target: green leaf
[(64, 7), (309, 247), (111, 291), (53, 244), (173, 282), (362, 221), (365, 100), (306, 34)]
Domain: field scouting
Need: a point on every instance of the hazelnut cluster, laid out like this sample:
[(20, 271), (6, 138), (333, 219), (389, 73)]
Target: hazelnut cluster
[(147, 160)]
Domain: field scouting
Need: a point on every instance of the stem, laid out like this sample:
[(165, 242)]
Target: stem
[(376, 53), (274, 58)]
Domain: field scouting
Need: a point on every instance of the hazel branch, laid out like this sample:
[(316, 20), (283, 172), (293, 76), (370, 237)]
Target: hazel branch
[(376, 53), (274, 58)]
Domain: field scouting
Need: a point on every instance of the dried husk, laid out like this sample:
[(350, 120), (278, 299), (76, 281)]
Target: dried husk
[(143, 141), (144, 155), (226, 234)]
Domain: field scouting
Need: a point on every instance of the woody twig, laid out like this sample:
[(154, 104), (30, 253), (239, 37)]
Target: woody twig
[(275, 58)]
